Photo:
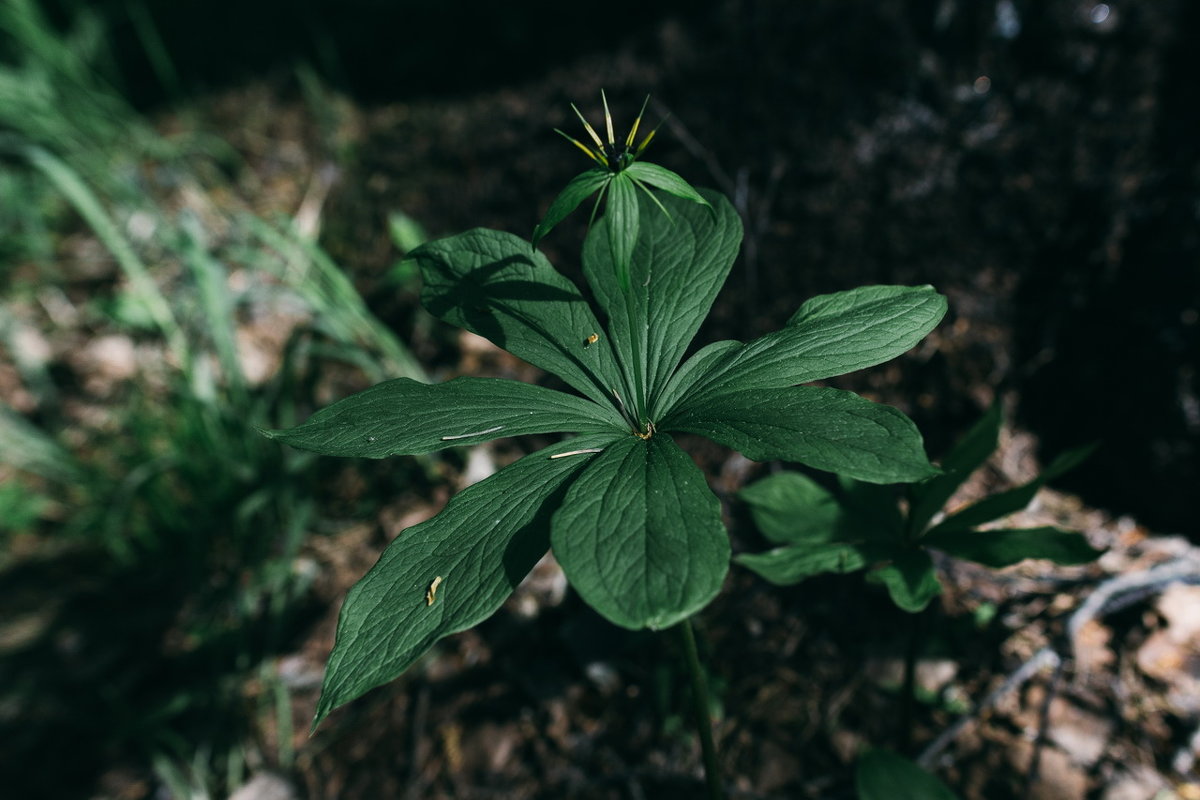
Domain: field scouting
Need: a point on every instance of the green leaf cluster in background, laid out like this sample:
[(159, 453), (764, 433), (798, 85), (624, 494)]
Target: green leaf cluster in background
[(628, 514), (861, 526)]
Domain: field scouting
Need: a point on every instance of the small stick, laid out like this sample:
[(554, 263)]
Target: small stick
[(469, 435), (1111, 595)]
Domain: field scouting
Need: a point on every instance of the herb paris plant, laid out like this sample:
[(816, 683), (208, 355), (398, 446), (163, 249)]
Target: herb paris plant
[(863, 527), (628, 514)]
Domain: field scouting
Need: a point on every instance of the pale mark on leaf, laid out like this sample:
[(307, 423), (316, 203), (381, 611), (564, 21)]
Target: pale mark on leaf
[(578, 452), (469, 435), (431, 592)]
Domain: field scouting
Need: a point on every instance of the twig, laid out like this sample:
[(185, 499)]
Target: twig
[(1111, 595), (1039, 743), (1045, 657)]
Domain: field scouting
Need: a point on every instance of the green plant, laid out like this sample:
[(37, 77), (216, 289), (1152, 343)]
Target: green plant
[(862, 527), (627, 513), (881, 775)]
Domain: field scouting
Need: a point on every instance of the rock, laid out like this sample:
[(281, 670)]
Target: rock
[(1141, 783), (1172, 655), (1082, 734), (1059, 776)]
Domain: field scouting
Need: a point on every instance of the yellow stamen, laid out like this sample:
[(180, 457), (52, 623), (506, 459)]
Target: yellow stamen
[(592, 133), (592, 154), (646, 141), (607, 117), (636, 122)]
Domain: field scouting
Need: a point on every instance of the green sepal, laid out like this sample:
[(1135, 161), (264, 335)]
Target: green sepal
[(928, 497), (481, 545), (622, 223), (578, 189), (491, 284), (639, 534), (668, 181), (881, 775), (825, 428), (1002, 547), (405, 417), (910, 579)]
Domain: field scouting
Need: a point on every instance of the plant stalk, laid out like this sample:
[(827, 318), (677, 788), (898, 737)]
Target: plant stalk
[(908, 689), (712, 768)]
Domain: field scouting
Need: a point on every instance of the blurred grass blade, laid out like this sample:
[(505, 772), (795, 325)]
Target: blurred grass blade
[(215, 299), (311, 272), (156, 50), (407, 234), (90, 208), (24, 446)]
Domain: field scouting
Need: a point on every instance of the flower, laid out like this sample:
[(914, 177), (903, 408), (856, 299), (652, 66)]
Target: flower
[(617, 174)]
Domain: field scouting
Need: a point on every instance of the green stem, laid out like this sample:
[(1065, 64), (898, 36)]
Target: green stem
[(908, 689), (712, 769)]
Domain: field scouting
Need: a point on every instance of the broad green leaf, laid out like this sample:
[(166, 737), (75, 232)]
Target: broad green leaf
[(581, 187), (830, 335), (622, 223), (1011, 501), (825, 428), (678, 267), (639, 534), (966, 457), (1003, 547), (785, 566), (791, 508), (910, 579), (687, 374), (404, 417), (989, 508), (481, 545), (881, 775), (491, 284), (668, 181)]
